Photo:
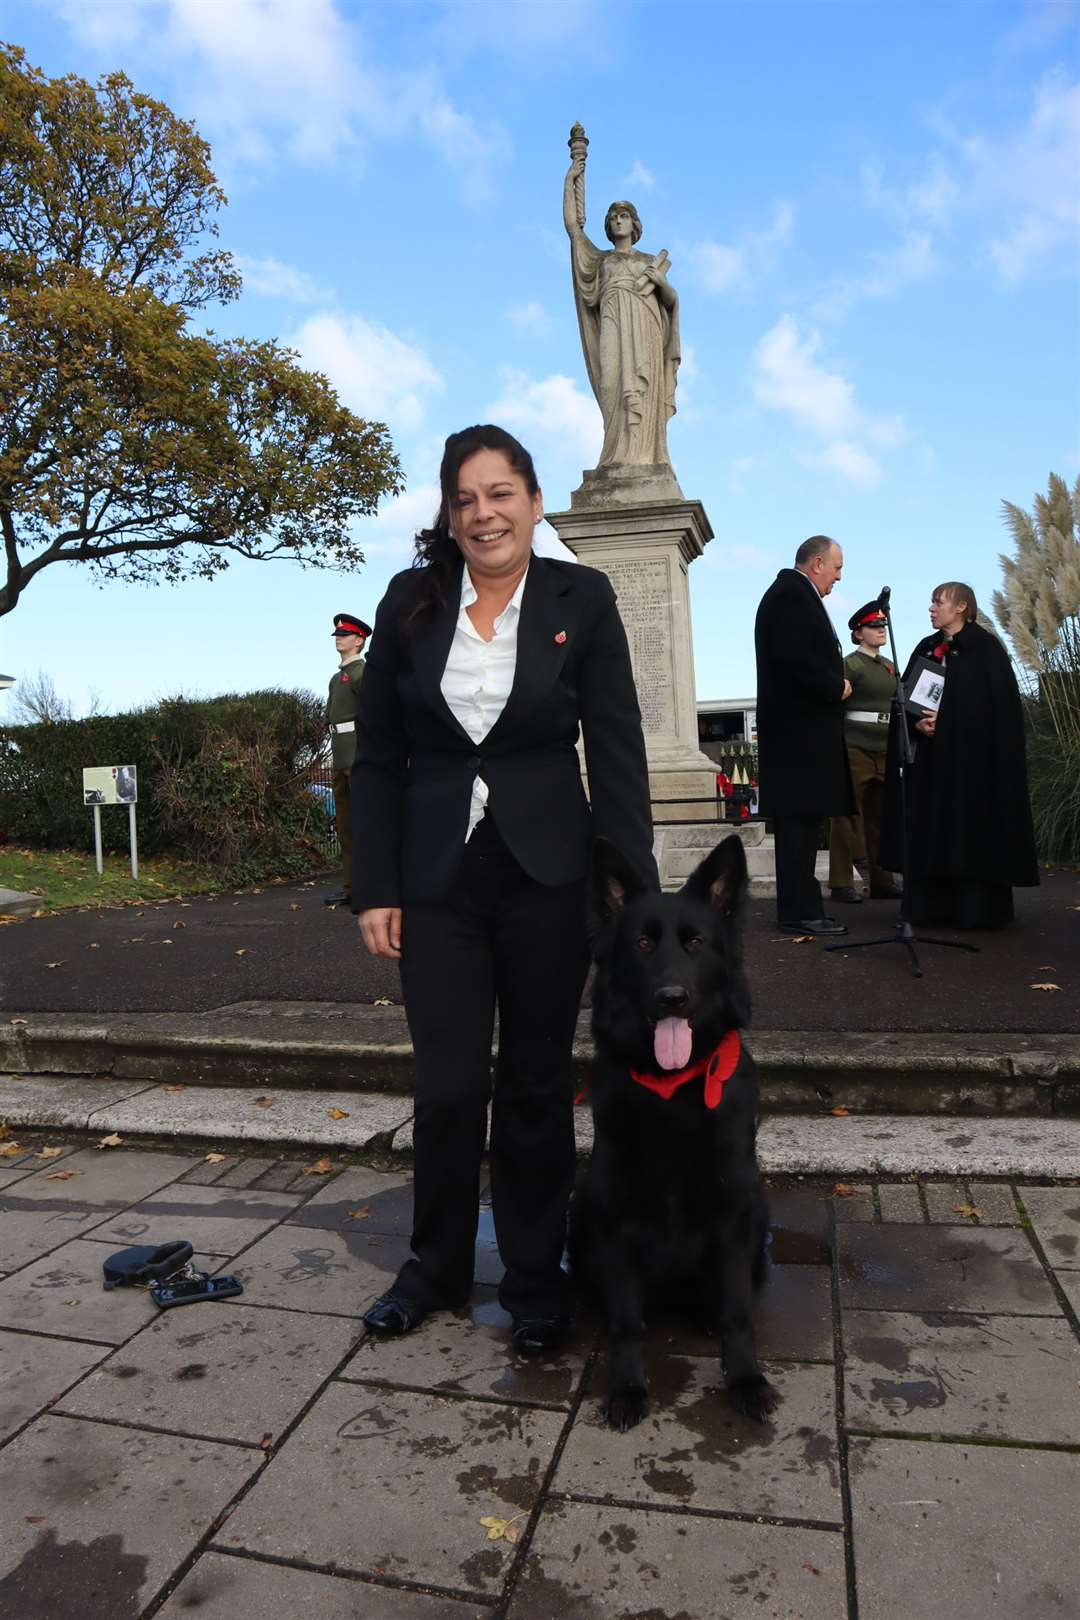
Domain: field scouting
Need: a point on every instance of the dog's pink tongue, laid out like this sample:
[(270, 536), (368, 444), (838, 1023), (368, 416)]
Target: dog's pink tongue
[(672, 1041)]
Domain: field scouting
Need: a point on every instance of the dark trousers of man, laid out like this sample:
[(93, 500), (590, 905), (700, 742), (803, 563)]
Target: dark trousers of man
[(343, 822), (499, 939), (798, 892)]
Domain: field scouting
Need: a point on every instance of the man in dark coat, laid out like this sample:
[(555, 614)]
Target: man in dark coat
[(969, 816), (803, 763)]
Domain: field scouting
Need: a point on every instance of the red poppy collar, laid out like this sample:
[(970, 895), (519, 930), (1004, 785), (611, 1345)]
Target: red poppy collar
[(717, 1067), (941, 651)]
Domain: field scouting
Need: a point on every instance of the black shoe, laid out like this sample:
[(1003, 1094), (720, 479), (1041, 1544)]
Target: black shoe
[(539, 1335), (392, 1315), (846, 897), (886, 894), (814, 925), (341, 899)]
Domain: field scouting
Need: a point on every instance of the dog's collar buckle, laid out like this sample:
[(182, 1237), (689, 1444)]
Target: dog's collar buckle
[(718, 1068)]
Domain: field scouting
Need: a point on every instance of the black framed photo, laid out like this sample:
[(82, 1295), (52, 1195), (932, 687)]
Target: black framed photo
[(925, 686)]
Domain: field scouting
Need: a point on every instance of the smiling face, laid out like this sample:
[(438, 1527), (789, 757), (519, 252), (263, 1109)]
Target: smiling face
[(493, 516)]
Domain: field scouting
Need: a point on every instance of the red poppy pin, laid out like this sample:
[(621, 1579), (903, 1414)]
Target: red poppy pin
[(345, 680), (561, 637)]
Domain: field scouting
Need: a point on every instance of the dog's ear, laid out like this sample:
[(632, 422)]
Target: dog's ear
[(614, 879), (721, 880)]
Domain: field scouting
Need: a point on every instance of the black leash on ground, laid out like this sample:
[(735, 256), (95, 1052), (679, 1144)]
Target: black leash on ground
[(169, 1274)]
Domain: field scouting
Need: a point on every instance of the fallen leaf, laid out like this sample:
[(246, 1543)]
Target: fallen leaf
[(264, 1102), (10, 1150), (93, 947), (337, 1113), (23, 1020), (215, 1158), (110, 1141), (168, 942), (179, 924), (802, 939), (840, 1113), (49, 1153), (842, 1190), (266, 1442), (966, 1209), (242, 951), (5, 1130), (382, 1001), (295, 906), (35, 1518), (502, 1529), (62, 1175), (359, 1214), (1045, 987), (321, 1167), (811, 1567), (40, 912), (57, 964), (174, 1088)]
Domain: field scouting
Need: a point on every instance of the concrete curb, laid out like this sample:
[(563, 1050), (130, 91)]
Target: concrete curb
[(328, 1046), (856, 1145)]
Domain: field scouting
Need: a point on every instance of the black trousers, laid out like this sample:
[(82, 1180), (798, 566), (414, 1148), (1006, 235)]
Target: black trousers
[(498, 940), (798, 892)]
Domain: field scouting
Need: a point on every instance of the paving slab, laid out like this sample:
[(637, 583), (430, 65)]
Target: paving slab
[(99, 1517), (941, 1268), (237, 1113), (334, 1273), (361, 1199), (855, 1202), (935, 1145), (588, 1563), (217, 1369), (1007, 1378), (801, 1221), (900, 1203), (468, 1352), (102, 1178), (35, 1371), (223, 1220), (1054, 1212), (62, 1293), (956, 1532), (1070, 1285), (397, 1484), (946, 1203), (693, 1450), (36, 1230), (221, 1587), (995, 1202)]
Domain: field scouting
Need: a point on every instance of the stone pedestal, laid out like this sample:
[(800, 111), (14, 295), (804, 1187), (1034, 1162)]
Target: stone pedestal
[(645, 547)]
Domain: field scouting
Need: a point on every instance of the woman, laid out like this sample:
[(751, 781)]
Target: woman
[(969, 818), (628, 313), (471, 846)]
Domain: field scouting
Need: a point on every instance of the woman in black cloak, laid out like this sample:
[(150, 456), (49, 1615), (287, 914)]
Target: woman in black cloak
[(969, 817)]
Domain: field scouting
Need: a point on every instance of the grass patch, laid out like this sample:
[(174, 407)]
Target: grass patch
[(67, 877)]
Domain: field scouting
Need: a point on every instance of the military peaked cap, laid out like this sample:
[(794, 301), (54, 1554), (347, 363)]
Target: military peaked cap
[(347, 624), (869, 613)]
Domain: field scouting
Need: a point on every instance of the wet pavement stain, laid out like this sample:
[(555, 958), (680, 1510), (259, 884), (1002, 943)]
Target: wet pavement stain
[(481, 1568), (918, 1394), (95, 1580), (482, 1481), (818, 1450), (892, 1354), (193, 1370), (668, 1482), (1064, 1243)]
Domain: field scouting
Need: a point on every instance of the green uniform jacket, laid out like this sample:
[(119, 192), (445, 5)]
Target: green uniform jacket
[(873, 685), (341, 707)]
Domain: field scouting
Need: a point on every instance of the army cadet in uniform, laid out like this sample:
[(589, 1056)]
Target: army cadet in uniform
[(866, 732), (350, 634)]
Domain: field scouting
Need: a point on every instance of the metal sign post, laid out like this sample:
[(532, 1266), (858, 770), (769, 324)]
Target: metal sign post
[(112, 784)]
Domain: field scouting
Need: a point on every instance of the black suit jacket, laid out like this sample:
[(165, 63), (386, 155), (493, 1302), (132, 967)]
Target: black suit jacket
[(802, 758), (415, 763)]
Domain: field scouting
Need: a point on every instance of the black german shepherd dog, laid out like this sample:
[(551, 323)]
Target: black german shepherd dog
[(671, 1212)]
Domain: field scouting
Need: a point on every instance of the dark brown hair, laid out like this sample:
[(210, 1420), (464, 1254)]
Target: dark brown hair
[(437, 552), (957, 591)]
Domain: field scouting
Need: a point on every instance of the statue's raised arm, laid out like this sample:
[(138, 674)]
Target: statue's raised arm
[(628, 314)]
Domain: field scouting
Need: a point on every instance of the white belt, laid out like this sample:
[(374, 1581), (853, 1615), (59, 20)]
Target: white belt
[(345, 725), (868, 716)]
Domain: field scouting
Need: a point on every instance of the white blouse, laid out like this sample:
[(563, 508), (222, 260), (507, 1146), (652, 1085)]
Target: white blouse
[(478, 676)]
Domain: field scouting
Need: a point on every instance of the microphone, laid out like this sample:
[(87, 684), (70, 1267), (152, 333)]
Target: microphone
[(883, 598)]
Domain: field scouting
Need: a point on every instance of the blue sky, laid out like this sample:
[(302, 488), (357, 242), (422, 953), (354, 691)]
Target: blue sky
[(873, 217)]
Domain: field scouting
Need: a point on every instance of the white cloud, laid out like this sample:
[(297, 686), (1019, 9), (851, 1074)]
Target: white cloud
[(378, 374), (530, 317), (788, 377), (267, 77), (886, 272), (1035, 171), (270, 278), (639, 176), (391, 532), (721, 266), (551, 410)]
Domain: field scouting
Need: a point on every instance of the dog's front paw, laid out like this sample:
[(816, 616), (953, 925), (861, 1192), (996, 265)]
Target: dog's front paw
[(754, 1397), (626, 1407)]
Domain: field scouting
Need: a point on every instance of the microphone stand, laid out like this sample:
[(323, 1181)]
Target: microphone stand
[(904, 934)]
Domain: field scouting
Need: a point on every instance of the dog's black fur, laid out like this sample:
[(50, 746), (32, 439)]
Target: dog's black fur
[(671, 1212)]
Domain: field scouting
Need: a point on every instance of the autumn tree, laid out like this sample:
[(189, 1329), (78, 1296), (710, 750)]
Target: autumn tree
[(131, 440)]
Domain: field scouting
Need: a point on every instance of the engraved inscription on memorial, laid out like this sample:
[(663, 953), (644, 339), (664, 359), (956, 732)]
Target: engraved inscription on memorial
[(645, 607)]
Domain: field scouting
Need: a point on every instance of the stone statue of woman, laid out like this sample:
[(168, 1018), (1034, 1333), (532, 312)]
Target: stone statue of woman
[(628, 313)]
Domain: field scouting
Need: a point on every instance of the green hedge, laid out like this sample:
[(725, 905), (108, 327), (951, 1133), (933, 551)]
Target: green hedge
[(222, 780)]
